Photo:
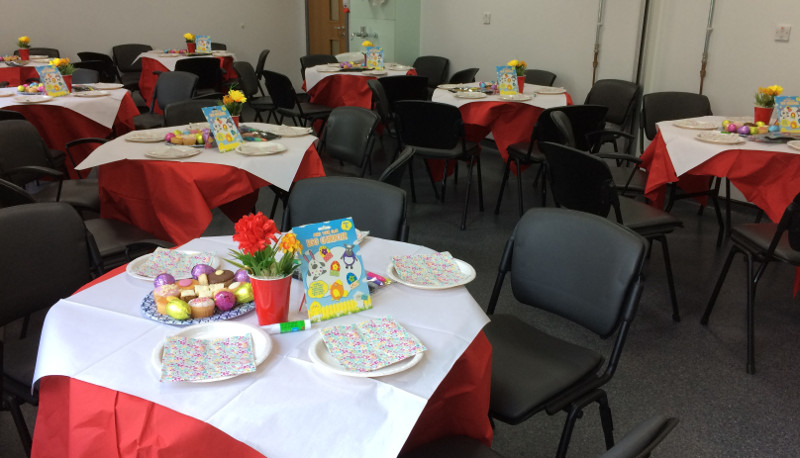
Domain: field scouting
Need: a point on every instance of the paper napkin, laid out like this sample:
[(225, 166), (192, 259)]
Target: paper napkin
[(436, 269), (177, 263), (370, 345), (189, 359)]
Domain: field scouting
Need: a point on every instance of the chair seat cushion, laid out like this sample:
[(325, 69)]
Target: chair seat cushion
[(530, 367), (756, 237), (83, 193), (113, 237), (621, 175), (645, 219), (148, 121), (471, 148), (519, 151), (130, 80)]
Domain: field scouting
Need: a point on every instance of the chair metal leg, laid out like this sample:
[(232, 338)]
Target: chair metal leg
[(19, 421), (480, 184), (718, 287), (502, 186), (566, 434), (606, 421), (670, 280), (411, 179), (751, 292), (466, 199), (444, 180), (519, 188)]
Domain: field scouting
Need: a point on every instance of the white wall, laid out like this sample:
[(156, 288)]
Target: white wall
[(94, 25)]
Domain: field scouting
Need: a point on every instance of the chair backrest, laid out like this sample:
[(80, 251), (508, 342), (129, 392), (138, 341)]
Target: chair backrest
[(280, 89), (64, 252), (186, 111), (260, 66), (21, 146), (380, 101), (311, 60), (38, 51), (215, 46), (125, 56), (553, 249), (539, 77), (248, 81), (434, 68), (376, 207), (85, 75), (349, 135), (207, 69), (10, 114), (429, 124), (100, 62), (393, 173), (666, 106), (619, 96), (573, 125), (464, 76), (353, 56), (579, 180), (404, 87), (11, 195), (173, 87)]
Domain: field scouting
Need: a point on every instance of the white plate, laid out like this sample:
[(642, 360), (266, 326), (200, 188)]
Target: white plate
[(448, 86), (720, 138), (145, 136), (320, 355), (90, 94), (514, 97), (170, 54), (470, 95), (6, 94), (794, 144), (260, 148), (696, 124), (288, 131), (463, 266), (107, 86), (32, 98), (262, 344), (173, 152), (398, 67), (38, 56), (550, 90), (376, 72), (133, 266), (326, 69)]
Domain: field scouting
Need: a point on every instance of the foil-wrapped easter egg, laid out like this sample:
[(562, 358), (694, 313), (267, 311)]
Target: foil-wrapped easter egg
[(732, 127), (225, 300), (178, 309), (163, 279), (774, 128), (201, 269), (169, 136), (244, 293), (241, 275), (744, 130)]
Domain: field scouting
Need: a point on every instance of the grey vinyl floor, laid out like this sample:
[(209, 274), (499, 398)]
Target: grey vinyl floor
[(680, 369)]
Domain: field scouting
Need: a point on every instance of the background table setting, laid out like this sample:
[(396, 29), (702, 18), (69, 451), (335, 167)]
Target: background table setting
[(170, 190), (96, 367), (688, 152), (334, 86), (17, 72), (510, 118)]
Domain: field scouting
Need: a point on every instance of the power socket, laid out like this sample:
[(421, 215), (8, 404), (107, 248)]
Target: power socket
[(487, 17), (782, 32)]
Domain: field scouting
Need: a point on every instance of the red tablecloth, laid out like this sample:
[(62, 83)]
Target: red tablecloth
[(173, 200), (768, 179), (78, 419), (147, 80), (17, 75), (344, 90), (59, 125)]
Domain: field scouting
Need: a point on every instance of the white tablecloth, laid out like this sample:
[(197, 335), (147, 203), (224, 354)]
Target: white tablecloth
[(102, 110), (686, 152), (168, 60), (537, 100), (278, 169), (289, 407), (316, 74)]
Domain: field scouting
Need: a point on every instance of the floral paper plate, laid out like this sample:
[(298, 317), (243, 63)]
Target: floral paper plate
[(720, 138), (697, 124)]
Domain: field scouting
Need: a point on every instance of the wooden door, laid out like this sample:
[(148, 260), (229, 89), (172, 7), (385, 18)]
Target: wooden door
[(326, 27)]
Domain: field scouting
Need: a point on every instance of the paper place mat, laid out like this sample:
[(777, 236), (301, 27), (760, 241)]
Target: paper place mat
[(371, 345), (428, 269), (188, 359), (176, 263)]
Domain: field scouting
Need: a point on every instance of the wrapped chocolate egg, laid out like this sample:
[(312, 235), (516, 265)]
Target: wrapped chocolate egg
[(744, 130), (178, 309), (201, 269), (243, 293), (169, 136), (224, 299), (241, 275), (163, 279)]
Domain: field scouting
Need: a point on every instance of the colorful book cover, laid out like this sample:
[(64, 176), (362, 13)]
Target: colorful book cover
[(375, 58), (224, 129), (334, 277), (53, 82), (507, 79), (203, 44), (788, 107)]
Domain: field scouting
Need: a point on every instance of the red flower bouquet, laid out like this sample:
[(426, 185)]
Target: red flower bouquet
[(264, 251)]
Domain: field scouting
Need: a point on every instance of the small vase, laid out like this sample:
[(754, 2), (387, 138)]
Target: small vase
[(191, 46), (521, 84), (235, 120), (762, 114), (24, 53), (271, 296), (68, 82)]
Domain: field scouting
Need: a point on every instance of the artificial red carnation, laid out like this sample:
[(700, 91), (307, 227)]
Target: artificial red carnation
[(254, 233)]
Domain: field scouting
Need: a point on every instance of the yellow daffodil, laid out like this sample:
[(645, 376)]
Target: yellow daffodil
[(188, 37), (366, 43), (513, 63), (765, 97), (233, 101), (290, 244), (23, 42)]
